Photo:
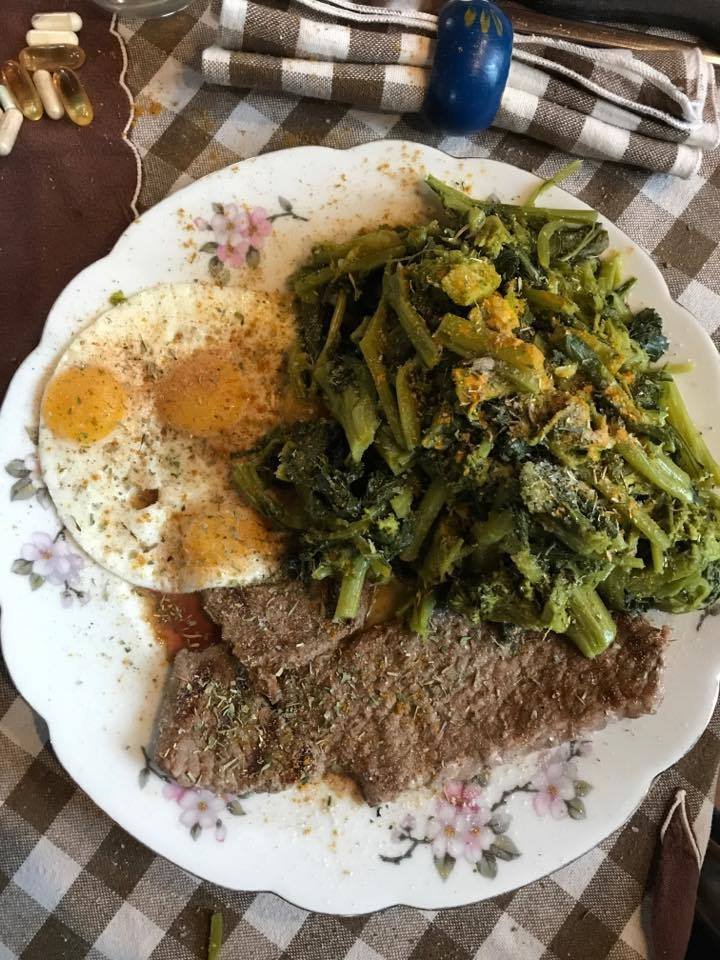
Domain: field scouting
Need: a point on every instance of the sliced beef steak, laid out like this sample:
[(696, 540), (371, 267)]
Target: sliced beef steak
[(273, 627), (395, 711)]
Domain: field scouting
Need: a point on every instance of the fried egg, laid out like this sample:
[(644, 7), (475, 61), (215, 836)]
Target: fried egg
[(137, 424)]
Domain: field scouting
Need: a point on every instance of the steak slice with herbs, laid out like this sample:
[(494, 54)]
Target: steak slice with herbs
[(273, 627), (394, 711)]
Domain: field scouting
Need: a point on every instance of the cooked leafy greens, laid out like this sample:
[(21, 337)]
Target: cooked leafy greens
[(496, 433)]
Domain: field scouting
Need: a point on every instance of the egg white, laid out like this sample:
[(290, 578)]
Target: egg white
[(101, 489)]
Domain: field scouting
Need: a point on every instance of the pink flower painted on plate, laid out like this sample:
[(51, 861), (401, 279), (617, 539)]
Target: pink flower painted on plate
[(52, 559), (231, 225), (554, 785), (173, 791), (220, 831), (233, 255), (464, 796), (259, 227), (445, 832), (231, 228), (201, 808), (476, 837)]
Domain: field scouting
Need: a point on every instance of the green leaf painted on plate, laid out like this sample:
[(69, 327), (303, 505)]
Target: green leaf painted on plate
[(218, 208), (218, 271), (504, 848), (23, 567), (253, 257), (195, 831), (500, 821), (582, 788), (487, 866), (17, 468), (22, 489), (209, 247), (285, 204), (235, 808), (444, 865), (36, 581), (576, 808)]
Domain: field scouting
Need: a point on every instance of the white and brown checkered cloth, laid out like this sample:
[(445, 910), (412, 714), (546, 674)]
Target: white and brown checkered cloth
[(653, 110), (75, 885)]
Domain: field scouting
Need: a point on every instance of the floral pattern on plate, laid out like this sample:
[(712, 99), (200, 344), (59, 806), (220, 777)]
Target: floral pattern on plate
[(199, 809), (464, 825), (44, 558), (26, 473), (48, 559), (239, 233)]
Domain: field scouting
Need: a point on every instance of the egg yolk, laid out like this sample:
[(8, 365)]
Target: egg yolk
[(202, 394), (224, 540), (83, 404)]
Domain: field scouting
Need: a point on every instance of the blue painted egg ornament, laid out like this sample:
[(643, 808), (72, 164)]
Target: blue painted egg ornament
[(470, 70)]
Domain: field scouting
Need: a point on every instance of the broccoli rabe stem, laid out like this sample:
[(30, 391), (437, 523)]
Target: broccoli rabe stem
[(407, 406), (397, 292), (394, 455), (372, 347), (459, 202), (421, 613), (562, 174), (680, 419), (486, 533), (545, 235), (470, 337), (350, 589), (361, 255), (658, 469), (333, 336), (592, 629), (548, 302), (247, 482), (444, 553), (430, 506), (631, 510)]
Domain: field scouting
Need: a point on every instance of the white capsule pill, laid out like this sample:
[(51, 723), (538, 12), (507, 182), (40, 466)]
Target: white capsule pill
[(48, 94), (7, 101), (10, 124), (57, 21), (43, 38)]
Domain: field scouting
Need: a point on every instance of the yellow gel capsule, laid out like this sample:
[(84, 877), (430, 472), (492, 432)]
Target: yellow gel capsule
[(52, 57), (72, 93), (18, 81)]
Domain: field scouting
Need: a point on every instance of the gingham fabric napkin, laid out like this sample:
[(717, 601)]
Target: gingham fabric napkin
[(657, 111)]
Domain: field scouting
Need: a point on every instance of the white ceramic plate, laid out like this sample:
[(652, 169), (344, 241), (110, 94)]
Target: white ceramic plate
[(95, 673)]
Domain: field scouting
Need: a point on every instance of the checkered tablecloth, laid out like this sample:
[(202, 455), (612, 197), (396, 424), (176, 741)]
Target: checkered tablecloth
[(72, 883)]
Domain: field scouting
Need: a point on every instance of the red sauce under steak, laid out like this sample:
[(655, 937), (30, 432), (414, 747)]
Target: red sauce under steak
[(179, 621)]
